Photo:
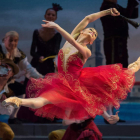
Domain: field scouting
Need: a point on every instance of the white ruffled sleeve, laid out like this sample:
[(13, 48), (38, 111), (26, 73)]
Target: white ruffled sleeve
[(30, 71)]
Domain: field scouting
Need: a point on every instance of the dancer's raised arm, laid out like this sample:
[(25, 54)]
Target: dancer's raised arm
[(83, 50), (91, 18), (87, 36)]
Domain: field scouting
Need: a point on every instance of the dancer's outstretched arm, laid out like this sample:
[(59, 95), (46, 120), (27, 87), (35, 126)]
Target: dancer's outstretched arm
[(83, 50), (112, 119), (92, 17)]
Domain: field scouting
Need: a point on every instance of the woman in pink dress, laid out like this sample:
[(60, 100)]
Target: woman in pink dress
[(77, 93)]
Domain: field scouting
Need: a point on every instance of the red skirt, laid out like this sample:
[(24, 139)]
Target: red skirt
[(78, 98)]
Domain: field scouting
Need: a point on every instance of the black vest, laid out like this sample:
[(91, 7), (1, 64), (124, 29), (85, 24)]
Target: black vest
[(16, 59)]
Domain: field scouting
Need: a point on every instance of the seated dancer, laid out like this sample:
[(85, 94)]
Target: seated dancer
[(9, 50), (77, 93), (7, 69), (81, 131)]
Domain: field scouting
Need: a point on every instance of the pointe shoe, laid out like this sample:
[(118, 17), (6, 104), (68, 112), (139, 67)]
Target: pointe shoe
[(16, 102), (135, 65)]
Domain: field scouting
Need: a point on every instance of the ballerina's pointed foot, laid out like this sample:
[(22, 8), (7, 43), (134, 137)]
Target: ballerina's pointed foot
[(14, 101), (135, 65)]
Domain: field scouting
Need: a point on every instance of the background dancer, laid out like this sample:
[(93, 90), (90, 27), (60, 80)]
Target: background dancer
[(84, 130), (47, 43), (9, 50), (116, 34)]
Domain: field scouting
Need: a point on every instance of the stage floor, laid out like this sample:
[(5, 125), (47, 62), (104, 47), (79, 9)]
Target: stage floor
[(121, 131)]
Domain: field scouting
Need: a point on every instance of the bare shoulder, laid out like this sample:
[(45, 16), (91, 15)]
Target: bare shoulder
[(86, 56)]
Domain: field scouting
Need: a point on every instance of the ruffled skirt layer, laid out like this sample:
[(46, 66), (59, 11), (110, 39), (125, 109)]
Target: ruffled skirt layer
[(78, 98)]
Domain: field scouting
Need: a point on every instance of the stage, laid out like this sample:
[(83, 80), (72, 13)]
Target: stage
[(129, 130), (120, 131)]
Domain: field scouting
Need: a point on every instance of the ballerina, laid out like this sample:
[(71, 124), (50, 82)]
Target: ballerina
[(77, 93)]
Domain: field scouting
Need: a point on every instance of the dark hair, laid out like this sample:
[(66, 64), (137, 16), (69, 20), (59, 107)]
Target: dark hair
[(56, 7)]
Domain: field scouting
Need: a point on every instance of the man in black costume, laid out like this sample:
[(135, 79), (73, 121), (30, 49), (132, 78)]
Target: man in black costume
[(116, 33)]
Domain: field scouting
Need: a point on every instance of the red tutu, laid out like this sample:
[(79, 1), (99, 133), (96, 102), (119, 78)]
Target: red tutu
[(77, 93)]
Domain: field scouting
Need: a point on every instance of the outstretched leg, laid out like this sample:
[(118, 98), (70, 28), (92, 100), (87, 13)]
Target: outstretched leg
[(35, 102), (135, 66), (31, 102)]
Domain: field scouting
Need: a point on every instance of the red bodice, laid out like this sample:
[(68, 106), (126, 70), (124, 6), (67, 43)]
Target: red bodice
[(73, 64)]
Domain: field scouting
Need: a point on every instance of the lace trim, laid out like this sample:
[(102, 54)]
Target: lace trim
[(66, 59), (16, 52)]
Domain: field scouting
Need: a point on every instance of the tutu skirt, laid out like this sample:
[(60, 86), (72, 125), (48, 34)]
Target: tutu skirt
[(79, 97)]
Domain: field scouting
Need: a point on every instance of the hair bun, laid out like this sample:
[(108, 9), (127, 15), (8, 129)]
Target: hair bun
[(57, 7)]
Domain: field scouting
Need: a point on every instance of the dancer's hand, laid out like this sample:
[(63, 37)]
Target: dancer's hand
[(114, 12), (113, 118), (49, 24)]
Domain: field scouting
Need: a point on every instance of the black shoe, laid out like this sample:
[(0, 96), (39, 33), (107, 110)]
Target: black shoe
[(121, 121), (14, 121)]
